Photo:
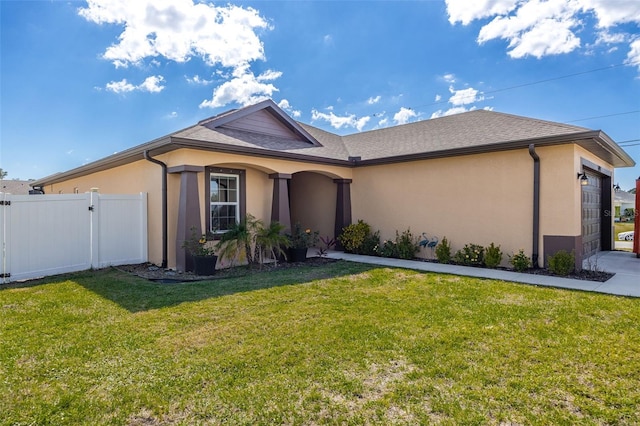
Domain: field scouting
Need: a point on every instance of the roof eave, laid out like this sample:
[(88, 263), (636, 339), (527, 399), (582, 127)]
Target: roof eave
[(130, 155), (608, 150)]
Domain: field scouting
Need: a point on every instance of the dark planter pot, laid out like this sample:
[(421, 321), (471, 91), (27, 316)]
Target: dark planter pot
[(297, 254), (204, 265)]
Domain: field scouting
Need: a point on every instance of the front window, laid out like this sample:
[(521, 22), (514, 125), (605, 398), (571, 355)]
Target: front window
[(224, 196)]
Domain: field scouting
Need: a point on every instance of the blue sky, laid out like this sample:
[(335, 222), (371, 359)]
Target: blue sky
[(82, 80)]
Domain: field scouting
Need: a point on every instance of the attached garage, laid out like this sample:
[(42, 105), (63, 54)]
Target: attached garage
[(591, 215), (596, 208)]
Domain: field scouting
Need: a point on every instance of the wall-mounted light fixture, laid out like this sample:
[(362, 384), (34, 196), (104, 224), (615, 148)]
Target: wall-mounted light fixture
[(616, 187), (584, 180)]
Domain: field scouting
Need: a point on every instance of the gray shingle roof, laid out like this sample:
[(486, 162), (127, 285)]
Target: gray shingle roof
[(469, 132), (14, 186), (478, 128)]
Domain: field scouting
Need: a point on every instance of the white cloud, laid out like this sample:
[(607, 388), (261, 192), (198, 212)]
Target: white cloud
[(327, 39), (449, 78), (180, 30), (338, 122), (438, 98), (451, 111), (610, 38), (465, 96), (539, 28), (384, 122), (284, 104), (465, 11), (542, 27), (150, 84), (611, 13), (197, 80), (243, 88), (373, 100), (122, 86), (633, 57), (404, 115)]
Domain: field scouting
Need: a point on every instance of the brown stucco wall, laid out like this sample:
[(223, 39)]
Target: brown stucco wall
[(313, 202), (480, 198), (469, 199), (476, 199)]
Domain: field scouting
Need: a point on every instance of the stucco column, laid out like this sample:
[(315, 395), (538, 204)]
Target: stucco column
[(188, 210), (343, 206), (280, 210)]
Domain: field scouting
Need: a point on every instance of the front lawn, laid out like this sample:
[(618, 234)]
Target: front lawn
[(342, 343)]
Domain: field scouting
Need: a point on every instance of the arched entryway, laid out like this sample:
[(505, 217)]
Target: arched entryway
[(320, 201)]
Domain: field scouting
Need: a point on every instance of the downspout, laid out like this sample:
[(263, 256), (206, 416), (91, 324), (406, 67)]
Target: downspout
[(536, 205), (164, 206)]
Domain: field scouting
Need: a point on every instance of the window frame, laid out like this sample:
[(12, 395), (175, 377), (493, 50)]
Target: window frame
[(241, 199)]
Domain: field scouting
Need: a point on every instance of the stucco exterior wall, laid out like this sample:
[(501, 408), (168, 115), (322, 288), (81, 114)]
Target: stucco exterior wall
[(479, 199), (313, 202), (476, 199), (559, 192), (469, 199)]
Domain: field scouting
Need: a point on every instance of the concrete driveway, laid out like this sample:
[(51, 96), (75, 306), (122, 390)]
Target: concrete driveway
[(624, 264)]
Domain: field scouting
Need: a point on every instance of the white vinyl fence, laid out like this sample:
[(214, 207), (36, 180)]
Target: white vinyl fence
[(45, 235)]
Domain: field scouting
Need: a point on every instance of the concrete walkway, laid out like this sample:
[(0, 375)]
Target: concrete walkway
[(625, 265)]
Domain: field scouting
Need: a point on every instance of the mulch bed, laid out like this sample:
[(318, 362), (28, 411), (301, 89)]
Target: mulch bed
[(154, 273), (585, 274), (167, 276)]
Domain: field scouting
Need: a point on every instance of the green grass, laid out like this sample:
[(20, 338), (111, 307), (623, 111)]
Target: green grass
[(342, 343)]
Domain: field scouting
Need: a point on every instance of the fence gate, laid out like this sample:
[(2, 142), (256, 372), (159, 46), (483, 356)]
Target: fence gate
[(45, 235)]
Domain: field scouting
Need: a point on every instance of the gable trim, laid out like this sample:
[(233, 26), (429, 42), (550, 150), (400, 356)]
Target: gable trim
[(270, 107)]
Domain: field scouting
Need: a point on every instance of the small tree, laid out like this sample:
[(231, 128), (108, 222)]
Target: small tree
[(3, 174), (443, 251)]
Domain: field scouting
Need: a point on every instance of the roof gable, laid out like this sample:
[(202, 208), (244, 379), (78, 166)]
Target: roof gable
[(264, 118)]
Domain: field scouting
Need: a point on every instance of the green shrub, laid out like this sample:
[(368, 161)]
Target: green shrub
[(492, 256), (353, 236), (520, 261), (370, 244), (405, 246), (387, 249), (470, 255), (561, 263), (443, 251)]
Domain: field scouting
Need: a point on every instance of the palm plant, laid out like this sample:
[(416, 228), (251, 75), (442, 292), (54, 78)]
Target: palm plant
[(251, 238), (271, 241), (240, 237)]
